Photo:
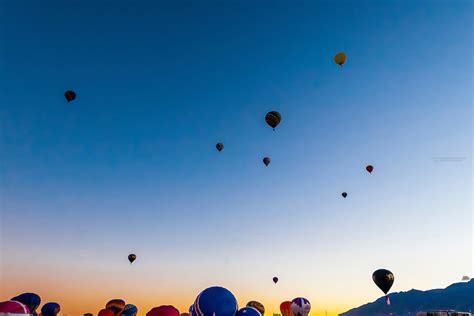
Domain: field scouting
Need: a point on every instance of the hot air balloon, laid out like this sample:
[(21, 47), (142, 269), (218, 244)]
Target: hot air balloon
[(384, 280), (266, 161), (300, 306), (340, 58), (466, 278), (132, 257), (106, 312), (50, 309), (369, 168), (248, 311), (273, 118), (70, 95), (285, 308), (275, 280), (13, 307), (215, 301), (116, 306), (130, 310), (31, 300), (192, 311), (219, 146), (164, 310), (344, 194), (257, 305)]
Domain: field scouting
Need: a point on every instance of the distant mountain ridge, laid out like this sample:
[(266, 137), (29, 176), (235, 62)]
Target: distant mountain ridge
[(458, 296)]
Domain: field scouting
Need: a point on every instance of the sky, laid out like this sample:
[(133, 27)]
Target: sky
[(131, 167)]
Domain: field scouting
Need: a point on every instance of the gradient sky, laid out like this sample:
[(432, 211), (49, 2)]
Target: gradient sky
[(130, 166)]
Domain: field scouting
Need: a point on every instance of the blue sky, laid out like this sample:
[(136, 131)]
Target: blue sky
[(130, 166)]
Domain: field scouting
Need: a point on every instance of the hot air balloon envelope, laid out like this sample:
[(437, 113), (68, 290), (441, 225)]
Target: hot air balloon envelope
[(13, 307), (369, 168), (285, 308), (70, 95), (31, 300), (248, 311), (164, 310), (273, 118), (116, 306), (383, 279), (130, 310), (300, 306), (257, 305), (132, 257), (215, 301), (340, 58)]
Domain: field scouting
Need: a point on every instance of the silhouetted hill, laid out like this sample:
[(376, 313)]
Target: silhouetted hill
[(458, 296)]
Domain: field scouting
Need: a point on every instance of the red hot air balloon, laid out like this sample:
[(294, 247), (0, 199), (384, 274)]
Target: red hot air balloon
[(13, 307), (285, 308), (164, 310), (106, 312), (369, 168)]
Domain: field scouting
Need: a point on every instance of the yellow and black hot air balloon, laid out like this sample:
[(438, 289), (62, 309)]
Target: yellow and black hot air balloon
[(340, 58), (273, 118)]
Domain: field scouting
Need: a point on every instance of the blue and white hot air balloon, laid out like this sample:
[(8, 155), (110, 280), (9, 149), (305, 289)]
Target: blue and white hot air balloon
[(215, 301)]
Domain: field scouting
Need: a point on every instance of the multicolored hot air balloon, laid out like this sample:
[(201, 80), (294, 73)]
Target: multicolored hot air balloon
[(164, 310), (384, 280), (215, 301), (130, 310), (132, 257), (340, 58), (50, 309), (248, 311), (275, 280), (273, 118), (369, 168), (344, 194), (13, 307), (266, 161), (285, 308), (219, 146), (258, 306), (116, 306), (31, 300), (106, 312), (300, 306), (70, 95)]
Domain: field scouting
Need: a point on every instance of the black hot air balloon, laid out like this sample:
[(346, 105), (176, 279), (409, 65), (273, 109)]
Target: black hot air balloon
[(369, 168), (273, 118), (384, 280), (132, 257), (70, 95), (344, 194), (219, 146), (266, 161), (275, 280)]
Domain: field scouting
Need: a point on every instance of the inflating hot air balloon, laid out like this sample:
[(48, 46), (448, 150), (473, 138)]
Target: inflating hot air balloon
[(164, 310), (344, 194), (130, 310), (340, 58), (31, 300), (215, 301), (219, 146), (300, 306), (369, 168), (257, 305), (273, 118), (13, 307), (248, 311), (275, 280), (285, 308), (50, 309), (384, 280), (266, 161), (70, 95), (116, 306), (132, 257), (106, 312)]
